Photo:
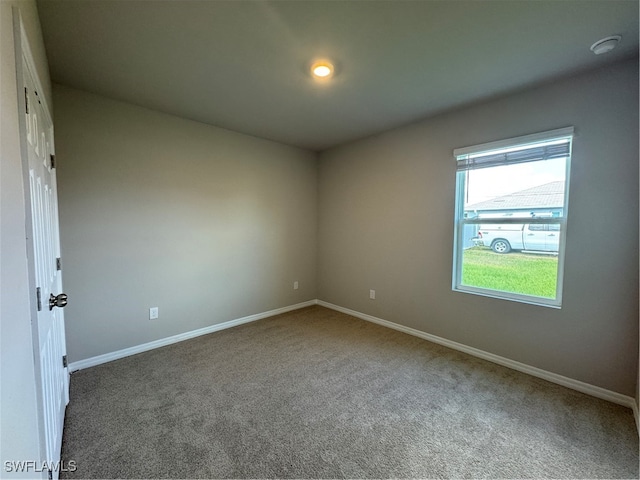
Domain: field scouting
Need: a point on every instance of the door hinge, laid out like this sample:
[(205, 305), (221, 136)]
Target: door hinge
[(58, 263), (26, 100), (64, 361), (39, 298), (53, 161)]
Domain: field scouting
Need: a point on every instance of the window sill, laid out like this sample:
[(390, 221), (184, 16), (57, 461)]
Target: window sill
[(512, 297)]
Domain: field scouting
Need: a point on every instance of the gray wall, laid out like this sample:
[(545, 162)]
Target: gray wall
[(19, 427), (206, 224), (386, 223)]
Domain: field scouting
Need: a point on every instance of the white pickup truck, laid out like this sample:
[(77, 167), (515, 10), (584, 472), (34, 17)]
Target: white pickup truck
[(538, 237)]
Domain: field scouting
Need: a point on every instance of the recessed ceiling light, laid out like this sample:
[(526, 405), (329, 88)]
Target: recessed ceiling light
[(322, 70), (606, 44)]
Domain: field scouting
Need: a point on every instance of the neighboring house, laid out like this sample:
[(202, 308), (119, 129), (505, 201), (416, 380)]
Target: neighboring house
[(543, 200), (540, 201)]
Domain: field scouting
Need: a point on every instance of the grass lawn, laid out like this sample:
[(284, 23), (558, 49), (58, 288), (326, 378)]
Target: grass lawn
[(526, 273)]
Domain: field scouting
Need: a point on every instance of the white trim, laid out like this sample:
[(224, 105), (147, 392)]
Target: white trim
[(511, 142), (460, 222), (583, 387), (512, 297), (108, 357)]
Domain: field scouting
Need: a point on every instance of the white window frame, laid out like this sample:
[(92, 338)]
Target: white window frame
[(467, 154)]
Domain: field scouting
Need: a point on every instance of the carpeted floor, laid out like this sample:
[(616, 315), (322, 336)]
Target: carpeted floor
[(318, 394)]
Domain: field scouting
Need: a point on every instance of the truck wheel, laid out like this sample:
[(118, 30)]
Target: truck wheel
[(501, 246)]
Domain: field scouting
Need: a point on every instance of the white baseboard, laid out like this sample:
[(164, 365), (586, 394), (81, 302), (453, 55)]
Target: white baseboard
[(108, 357), (506, 362)]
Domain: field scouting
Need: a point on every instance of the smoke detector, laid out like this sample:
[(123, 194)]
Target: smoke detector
[(606, 44)]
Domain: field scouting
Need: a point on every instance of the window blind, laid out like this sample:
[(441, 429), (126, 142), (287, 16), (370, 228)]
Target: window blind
[(532, 154), (530, 148)]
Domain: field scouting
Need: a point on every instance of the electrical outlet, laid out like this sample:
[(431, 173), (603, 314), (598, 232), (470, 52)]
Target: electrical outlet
[(372, 294), (295, 285), (153, 313)]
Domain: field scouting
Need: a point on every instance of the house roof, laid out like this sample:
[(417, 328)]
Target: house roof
[(549, 195)]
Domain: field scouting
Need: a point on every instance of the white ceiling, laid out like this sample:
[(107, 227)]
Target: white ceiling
[(243, 65)]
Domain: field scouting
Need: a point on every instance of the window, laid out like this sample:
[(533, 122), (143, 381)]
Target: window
[(537, 227), (511, 214)]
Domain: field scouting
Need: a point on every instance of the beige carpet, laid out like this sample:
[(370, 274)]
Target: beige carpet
[(318, 394)]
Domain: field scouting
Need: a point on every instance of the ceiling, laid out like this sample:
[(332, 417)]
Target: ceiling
[(244, 65)]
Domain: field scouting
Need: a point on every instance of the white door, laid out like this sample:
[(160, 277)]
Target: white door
[(54, 376)]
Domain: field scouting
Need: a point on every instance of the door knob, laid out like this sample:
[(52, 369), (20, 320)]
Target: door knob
[(57, 301)]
